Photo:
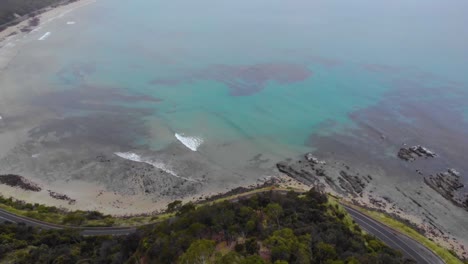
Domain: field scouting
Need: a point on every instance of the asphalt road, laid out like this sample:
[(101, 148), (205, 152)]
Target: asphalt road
[(409, 247), (86, 231)]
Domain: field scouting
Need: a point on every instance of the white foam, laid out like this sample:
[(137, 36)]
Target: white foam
[(71, 23), (159, 165), (1, 117), (44, 36), (190, 142)]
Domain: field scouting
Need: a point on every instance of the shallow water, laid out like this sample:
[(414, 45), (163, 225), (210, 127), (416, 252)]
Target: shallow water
[(241, 78)]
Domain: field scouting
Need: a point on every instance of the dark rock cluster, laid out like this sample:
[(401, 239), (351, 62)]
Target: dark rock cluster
[(19, 181), (414, 152), (309, 170), (297, 173), (448, 184), (63, 197), (305, 170), (351, 183)]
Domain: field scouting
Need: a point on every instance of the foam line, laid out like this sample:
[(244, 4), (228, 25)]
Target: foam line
[(44, 36), (159, 165)]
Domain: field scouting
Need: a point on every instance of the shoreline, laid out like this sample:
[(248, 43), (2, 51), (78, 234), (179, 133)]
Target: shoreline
[(285, 183), (92, 196), (80, 195), (48, 15), (11, 36)]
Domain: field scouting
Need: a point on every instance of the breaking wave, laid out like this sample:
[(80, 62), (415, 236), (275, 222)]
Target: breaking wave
[(191, 143), (159, 165)]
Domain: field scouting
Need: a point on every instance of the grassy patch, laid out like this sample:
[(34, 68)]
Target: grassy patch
[(443, 253), (54, 218), (335, 209)]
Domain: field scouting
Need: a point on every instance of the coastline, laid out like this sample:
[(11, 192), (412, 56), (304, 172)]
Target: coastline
[(93, 197), (11, 36), (357, 185)]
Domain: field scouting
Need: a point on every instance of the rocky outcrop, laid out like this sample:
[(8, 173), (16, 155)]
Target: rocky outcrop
[(297, 173), (449, 185), (313, 160), (307, 170), (351, 183), (312, 171), (414, 152), (62, 197), (20, 182)]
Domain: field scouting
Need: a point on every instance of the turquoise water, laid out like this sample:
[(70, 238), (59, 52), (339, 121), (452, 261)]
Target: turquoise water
[(306, 64)]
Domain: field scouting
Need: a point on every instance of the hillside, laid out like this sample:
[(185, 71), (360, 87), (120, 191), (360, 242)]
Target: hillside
[(266, 228)]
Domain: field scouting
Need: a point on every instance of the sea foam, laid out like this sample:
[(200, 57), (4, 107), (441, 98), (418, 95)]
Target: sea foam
[(44, 36), (190, 142), (159, 165)]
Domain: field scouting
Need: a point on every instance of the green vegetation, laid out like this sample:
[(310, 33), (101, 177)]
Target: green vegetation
[(23, 7), (443, 253), (269, 227), (23, 244), (54, 215)]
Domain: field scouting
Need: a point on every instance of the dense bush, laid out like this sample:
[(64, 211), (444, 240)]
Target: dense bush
[(265, 228)]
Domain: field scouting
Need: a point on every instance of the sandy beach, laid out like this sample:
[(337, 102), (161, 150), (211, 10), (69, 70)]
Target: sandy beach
[(12, 37), (94, 197)]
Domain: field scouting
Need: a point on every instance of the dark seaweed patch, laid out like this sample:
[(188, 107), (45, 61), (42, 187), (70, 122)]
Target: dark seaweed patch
[(244, 80)]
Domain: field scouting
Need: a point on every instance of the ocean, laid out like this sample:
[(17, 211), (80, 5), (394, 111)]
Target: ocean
[(244, 84)]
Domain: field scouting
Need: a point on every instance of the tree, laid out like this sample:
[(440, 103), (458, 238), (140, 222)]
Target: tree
[(186, 208), (274, 211), (175, 205), (199, 252), (281, 262), (325, 252), (254, 259), (282, 244), (231, 257), (251, 246), (286, 246)]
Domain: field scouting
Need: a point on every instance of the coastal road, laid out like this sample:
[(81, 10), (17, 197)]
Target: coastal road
[(409, 247), (392, 238), (86, 231)]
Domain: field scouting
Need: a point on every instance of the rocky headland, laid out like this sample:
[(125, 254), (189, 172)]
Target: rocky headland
[(371, 188)]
